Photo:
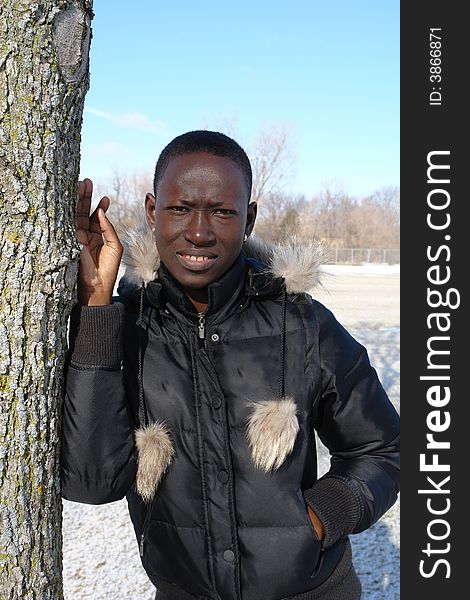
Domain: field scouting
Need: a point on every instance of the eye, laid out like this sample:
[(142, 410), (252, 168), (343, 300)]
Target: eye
[(225, 212), (178, 209)]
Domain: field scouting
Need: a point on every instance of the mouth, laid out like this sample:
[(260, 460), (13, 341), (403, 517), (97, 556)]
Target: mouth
[(196, 262)]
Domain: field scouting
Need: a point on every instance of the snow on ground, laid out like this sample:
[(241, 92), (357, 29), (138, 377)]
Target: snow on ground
[(101, 558), (366, 301)]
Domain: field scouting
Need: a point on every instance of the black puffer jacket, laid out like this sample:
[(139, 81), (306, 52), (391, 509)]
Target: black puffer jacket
[(227, 405)]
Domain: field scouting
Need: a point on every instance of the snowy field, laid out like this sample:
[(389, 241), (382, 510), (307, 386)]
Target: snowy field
[(101, 558), (366, 301)]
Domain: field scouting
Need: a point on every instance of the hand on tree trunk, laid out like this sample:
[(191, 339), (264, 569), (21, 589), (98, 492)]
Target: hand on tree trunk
[(101, 251)]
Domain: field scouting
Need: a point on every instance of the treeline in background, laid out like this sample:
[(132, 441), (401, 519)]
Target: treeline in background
[(356, 230)]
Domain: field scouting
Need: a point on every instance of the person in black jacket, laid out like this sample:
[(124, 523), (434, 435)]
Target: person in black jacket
[(197, 391)]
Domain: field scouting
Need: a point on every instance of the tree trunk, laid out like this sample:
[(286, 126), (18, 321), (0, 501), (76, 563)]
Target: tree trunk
[(43, 81)]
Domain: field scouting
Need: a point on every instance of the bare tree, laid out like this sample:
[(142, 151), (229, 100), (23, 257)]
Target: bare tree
[(43, 80), (271, 155), (280, 216), (330, 206), (346, 222), (387, 200), (127, 194), (272, 160)]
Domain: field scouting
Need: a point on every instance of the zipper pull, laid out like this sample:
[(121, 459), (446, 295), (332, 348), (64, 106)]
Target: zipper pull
[(202, 326), (141, 545)]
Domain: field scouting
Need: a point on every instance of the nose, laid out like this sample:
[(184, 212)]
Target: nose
[(199, 230)]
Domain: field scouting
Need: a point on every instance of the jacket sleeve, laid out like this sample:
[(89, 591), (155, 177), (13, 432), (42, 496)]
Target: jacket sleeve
[(97, 453), (359, 425)]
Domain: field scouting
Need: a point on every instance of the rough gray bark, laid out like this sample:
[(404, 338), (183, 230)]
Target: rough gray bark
[(43, 80)]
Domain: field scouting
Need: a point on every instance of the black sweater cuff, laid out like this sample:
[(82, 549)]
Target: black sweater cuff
[(338, 506), (95, 335)]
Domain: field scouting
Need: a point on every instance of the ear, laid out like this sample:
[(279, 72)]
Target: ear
[(250, 217), (150, 209)]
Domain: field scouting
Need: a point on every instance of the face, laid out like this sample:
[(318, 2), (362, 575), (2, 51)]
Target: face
[(201, 215)]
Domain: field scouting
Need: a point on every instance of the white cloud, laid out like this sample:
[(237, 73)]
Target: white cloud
[(132, 120)]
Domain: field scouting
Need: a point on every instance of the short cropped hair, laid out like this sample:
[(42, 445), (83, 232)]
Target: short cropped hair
[(212, 142)]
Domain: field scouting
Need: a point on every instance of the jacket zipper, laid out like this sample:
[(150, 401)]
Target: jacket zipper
[(144, 530), (201, 326), (142, 538)]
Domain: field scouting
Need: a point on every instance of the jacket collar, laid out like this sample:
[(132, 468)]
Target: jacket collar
[(222, 292), (295, 263)]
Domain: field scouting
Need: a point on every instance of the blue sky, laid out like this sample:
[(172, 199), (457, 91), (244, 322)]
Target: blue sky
[(327, 70)]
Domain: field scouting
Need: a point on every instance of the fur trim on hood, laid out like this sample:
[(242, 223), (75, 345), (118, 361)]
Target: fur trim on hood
[(299, 263)]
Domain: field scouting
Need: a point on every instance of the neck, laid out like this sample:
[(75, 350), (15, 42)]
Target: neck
[(198, 299)]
